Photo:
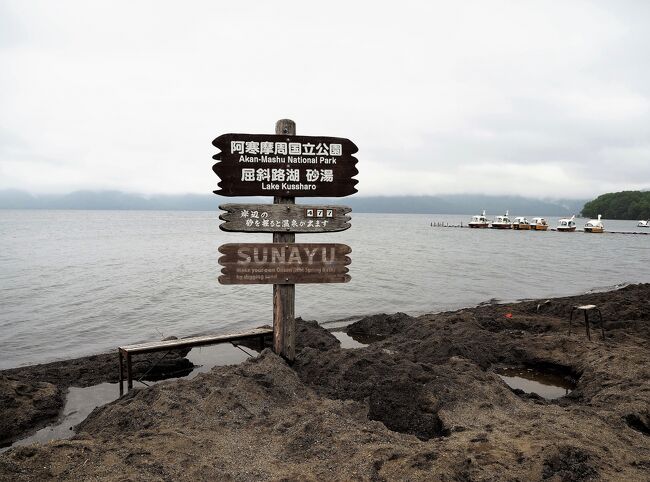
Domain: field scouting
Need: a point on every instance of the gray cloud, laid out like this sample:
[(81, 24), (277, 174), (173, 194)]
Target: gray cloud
[(529, 98)]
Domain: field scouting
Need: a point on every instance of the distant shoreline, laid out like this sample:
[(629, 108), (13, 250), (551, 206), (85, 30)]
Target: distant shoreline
[(466, 204)]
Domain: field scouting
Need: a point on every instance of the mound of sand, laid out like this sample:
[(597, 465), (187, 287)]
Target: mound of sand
[(424, 403)]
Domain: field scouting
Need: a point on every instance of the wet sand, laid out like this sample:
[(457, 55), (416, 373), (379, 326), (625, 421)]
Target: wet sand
[(424, 400)]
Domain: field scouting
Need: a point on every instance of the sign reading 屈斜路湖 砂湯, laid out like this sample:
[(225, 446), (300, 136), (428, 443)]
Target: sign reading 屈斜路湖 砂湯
[(285, 165)]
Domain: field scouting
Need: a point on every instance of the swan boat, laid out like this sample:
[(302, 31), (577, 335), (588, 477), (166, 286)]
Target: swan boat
[(567, 225), (521, 223), (594, 226), (538, 224)]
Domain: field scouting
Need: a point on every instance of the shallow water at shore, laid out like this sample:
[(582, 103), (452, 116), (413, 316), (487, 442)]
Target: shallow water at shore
[(80, 402), (80, 282), (78, 405)]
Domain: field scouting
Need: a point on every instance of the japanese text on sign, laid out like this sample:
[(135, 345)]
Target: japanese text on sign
[(275, 218), (290, 148), (280, 175), (260, 219)]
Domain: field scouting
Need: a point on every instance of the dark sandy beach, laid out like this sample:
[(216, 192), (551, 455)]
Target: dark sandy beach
[(424, 401)]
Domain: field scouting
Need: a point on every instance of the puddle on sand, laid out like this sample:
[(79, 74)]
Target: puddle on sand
[(355, 341), (547, 385), (207, 357), (347, 341)]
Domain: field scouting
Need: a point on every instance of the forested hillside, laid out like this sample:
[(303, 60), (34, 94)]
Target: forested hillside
[(619, 205)]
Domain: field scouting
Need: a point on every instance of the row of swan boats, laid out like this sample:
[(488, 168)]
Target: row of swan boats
[(537, 224)]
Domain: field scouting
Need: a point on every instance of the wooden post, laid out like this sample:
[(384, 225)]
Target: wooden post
[(119, 352), (284, 296), (129, 373)]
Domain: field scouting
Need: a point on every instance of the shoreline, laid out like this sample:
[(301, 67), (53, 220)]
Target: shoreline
[(326, 323), (422, 397)]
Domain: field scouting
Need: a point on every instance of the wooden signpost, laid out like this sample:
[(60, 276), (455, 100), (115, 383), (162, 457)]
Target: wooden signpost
[(284, 166)]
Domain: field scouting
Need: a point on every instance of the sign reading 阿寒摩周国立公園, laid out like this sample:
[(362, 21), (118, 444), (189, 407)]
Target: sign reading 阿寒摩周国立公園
[(279, 218), (285, 165), (284, 263)]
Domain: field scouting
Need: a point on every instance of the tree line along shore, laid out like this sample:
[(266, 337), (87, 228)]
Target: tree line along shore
[(619, 205)]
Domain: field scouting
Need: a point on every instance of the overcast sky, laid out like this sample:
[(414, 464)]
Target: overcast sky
[(537, 98)]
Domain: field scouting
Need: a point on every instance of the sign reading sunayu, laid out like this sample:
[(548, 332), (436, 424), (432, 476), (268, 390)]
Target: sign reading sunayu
[(277, 165), (280, 263)]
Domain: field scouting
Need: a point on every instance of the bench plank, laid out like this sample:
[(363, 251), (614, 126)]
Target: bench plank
[(193, 341)]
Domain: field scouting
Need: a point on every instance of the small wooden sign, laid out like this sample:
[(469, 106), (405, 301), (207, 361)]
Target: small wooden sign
[(279, 218), (285, 165), (284, 263)]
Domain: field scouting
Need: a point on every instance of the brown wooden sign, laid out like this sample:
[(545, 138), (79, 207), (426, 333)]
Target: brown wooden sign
[(285, 165), (284, 263), (279, 218)]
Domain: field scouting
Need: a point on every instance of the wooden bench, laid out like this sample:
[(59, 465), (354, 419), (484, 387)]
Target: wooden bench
[(125, 352)]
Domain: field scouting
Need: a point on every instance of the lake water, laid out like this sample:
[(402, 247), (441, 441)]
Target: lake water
[(74, 283)]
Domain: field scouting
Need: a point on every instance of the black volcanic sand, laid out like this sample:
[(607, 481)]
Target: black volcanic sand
[(424, 403)]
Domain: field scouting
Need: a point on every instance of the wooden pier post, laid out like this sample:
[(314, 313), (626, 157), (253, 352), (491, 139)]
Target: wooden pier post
[(284, 296)]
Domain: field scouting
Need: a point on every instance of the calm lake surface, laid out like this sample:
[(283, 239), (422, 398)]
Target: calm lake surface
[(74, 283)]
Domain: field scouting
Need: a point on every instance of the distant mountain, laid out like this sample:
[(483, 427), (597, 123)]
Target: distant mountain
[(444, 204), (108, 200), (517, 205)]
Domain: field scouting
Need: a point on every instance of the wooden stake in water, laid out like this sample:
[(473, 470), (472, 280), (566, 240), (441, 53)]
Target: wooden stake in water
[(284, 296)]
